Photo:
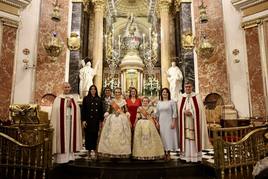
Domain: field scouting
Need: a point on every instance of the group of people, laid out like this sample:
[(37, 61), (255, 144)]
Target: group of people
[(121, 128)]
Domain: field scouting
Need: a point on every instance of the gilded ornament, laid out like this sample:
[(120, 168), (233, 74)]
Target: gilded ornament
[(235, 53), (53, 45), (24, 113), (55, 16), (74, 42), (187, 40), (266, 135), (205, 49)]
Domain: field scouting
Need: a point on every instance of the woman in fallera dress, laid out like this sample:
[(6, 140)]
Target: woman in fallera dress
[(166, 114), (115, 138), (147, 144)]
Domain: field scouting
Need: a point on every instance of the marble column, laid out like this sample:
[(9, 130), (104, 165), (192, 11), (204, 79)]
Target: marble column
[(255, 71), (165, 60), (187, 55), (76, 56), (1, 35), (7, 64), (98, 42), (177, 34)]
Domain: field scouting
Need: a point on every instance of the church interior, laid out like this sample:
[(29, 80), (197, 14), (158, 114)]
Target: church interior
[(221, 46)]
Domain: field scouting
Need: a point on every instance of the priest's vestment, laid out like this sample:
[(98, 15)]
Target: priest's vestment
[(66, 122), (193, 134)]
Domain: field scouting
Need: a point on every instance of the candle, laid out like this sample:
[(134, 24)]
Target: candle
[(143, 41), (119, 43), (150, 38), (105, 41), (113, 37)]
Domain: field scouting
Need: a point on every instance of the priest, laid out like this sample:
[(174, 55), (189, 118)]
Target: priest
[(193, 134), (66, 122)]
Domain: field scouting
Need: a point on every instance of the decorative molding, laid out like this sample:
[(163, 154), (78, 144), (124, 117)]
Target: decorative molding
[(9, 22), (178, 2), (254, 21), (164, 5), (250, 24), (99, 5), (241, 4), (255, 9), (17, 3), (9, 9)]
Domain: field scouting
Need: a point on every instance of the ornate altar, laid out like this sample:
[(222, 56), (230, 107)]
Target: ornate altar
[(26, 145), (24, 113), (131, 54)]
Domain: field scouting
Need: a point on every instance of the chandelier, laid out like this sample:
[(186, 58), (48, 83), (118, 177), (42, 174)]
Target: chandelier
[(150, 51), (151, 86), (112, 52), (205, 49)]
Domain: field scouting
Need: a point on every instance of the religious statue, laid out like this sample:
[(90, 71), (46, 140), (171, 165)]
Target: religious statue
[(132, 37), (86, 75), (175, 78)]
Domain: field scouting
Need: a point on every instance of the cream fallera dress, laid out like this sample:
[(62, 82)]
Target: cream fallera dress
[(115, 138), (147, 144)]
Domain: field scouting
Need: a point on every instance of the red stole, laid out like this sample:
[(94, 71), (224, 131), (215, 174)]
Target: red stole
[(62, 124), (197, 123)]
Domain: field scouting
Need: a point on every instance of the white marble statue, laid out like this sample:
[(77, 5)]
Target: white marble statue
[(86, 75), (175, 78)]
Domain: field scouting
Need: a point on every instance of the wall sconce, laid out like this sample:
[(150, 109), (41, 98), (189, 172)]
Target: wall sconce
[(26, 52), (53, 44)]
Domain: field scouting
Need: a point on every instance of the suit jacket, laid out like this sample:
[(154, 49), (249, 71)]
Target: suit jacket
[(92, 112)]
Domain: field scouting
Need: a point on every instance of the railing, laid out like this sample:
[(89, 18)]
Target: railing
[(237, 149), (25, 152)]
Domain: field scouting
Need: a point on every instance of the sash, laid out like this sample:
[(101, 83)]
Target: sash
[(74, 124), (62, 125), (144, 112), (116, 107), (182, 124), (197, 124)]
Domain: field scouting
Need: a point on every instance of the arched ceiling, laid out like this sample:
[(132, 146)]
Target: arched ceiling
[(137, 7), (127, 7)]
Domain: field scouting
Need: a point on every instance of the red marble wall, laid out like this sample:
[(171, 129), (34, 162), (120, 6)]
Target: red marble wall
[(50, 75), (255, 72), (6, 68), (212, 75)]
